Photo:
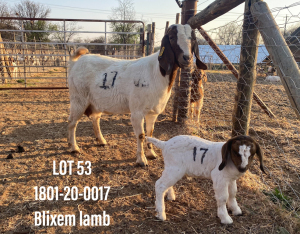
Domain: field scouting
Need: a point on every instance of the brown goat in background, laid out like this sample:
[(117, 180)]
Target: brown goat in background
[(197, 93)]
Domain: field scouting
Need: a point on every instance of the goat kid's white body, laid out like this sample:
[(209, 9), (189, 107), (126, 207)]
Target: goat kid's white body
[(138, 85), (193, 156)]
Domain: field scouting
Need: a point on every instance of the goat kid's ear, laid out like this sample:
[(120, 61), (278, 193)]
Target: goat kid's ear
[(225, 151), (200, 65), (260, 156), (166, 56)]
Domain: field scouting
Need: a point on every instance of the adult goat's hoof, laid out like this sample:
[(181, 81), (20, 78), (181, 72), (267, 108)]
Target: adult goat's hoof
[(142, 164), (151, 155), (77, 151)]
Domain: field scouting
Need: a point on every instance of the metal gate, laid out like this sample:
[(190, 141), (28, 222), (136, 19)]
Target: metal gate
[(38, 59)]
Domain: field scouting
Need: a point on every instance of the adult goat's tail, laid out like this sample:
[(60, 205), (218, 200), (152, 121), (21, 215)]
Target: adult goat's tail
[(80, 51), (156, 142)]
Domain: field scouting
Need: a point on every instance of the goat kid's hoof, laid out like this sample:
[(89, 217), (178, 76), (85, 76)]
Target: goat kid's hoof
[(237, 211), (238, 214), (171, 197), (227, 220), (161, 217)]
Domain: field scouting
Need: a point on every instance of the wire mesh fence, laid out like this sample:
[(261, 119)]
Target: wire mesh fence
[(35, 58)]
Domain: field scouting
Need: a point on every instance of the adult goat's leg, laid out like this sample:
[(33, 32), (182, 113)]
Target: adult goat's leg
[(150, 121), (76, 111), (137, 120), (97, 131)]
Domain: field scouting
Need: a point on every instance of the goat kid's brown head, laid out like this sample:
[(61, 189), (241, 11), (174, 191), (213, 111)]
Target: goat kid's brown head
[(241, 149), (177, 47)]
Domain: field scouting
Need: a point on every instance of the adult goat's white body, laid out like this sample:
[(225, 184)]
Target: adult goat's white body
[(142, 87), (129, 86)]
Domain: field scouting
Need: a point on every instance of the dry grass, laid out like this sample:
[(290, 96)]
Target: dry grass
[(37, 120)]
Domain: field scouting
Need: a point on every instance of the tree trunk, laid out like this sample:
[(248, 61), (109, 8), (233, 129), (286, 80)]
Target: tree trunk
[(247, 74), (214, 10)]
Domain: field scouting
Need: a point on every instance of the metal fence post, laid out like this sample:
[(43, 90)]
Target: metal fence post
[(105, 41), (65, 46), (24, 60)]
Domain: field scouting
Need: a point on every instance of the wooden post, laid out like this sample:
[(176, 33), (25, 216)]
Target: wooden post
[(148, 39), (34, 43), (4, 69), (214, 10), (176, 85), (167, 26), (15, 44), (280, 53), (152, 38), (247, 74), (177, 18), (142, 42), (230, 67), (189, 9)]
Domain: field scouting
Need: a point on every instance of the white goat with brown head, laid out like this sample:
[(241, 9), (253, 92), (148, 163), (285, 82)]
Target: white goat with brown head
[(223, 162), (142, 87)]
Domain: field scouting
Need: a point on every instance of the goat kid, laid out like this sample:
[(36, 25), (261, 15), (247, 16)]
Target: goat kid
[(223, 162), (142, 87)]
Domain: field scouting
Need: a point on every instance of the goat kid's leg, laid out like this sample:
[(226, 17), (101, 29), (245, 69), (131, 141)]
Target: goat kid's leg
[(221, 194), (164, 184), (137, 121), (75, 115), (97, 131), (232, 203), (150, 121), (171, 194)]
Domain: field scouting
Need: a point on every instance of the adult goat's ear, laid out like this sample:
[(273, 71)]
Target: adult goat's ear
[(166, 56), (225, 152), (260, 156), (200, 65)]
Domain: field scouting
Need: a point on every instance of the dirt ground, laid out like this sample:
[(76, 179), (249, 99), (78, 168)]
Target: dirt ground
[(37, 121)]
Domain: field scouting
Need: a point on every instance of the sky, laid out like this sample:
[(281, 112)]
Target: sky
[(158, 11)]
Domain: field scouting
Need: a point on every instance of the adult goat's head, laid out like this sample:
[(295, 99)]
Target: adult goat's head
[(177, 47), (241, 149)]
